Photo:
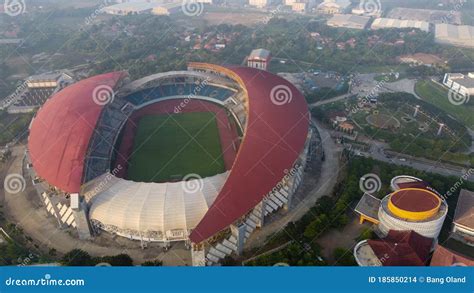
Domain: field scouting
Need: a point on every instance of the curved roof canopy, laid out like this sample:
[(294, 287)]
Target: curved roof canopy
[(61, 131), (277, 128), (146, 207)]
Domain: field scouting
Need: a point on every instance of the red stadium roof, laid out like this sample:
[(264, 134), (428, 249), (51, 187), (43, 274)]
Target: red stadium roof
[(276, 131), (61, 131), (275, 136)]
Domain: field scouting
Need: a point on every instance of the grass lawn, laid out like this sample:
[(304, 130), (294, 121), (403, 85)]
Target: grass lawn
[(168, 147), (438, 96)]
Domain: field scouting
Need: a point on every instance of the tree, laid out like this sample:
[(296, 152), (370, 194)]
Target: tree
[(316, 226), (344, 257), (117, 260), (152, 263), (77, 257)]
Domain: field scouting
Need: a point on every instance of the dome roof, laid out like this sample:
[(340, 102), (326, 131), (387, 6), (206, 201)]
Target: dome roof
[(61, 131)]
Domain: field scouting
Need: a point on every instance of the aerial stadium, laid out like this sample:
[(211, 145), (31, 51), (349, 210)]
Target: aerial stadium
[(201, 155)]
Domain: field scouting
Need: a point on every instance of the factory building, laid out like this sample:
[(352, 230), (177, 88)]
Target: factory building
[(460, 83), (349, 21), (456, 35), (383, 23)]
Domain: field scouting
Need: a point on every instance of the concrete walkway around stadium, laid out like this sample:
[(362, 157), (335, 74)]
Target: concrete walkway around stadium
[(24, 210), (325, 185)]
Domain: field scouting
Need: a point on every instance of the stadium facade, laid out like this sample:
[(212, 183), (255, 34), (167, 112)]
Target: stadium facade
[(81, 140)]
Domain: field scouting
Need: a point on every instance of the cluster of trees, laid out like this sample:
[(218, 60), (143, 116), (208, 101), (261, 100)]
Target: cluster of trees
[(327, 93), (12, 253), (295, 254), (17, 250), (344, 257), (331, 212), (444, 146), (78, 257), (117, 43), (13, 128), (415, 143)]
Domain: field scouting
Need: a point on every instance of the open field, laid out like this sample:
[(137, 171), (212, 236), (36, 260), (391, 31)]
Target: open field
[(234, 18), (168, 147), (438, 96), (382, 121), (433, 16)]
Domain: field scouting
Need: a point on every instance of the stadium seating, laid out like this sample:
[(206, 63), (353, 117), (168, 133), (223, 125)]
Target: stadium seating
[(34, 97), (102, 143), (183, 89)]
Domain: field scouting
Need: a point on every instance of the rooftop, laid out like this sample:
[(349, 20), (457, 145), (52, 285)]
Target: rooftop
[(45, 76), (402, 248), (365, 256), (398, 23), (446, 257), (463, 79), (368, 206), (464, 214), (259, 54), (348, 20), (335, 3), (464, 33), (415, 200), (141, 5)]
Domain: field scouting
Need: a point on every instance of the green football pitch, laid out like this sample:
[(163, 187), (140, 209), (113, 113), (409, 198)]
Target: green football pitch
[(168, 147)]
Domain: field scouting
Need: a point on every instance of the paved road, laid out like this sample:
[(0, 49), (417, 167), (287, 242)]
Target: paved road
[(331, 100), (403, 85), (367, 85), (377, 152), (325, 186)]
